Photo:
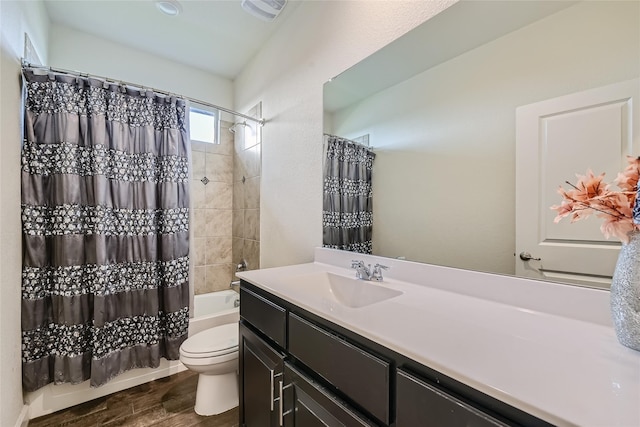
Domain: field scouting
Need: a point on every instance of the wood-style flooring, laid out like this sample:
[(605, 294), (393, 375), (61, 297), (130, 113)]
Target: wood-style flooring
[(167, 402)]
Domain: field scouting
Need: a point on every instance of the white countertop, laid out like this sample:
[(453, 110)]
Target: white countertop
[(567, 370)]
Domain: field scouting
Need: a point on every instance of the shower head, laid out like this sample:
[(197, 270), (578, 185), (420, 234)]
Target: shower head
[(232, 128)]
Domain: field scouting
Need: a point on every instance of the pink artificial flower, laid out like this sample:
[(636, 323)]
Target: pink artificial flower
[(564, 209), (588, 187), (591, 195), (627, 180), (620, 228)]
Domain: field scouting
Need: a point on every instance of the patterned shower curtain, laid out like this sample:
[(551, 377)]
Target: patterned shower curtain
[(105, 224), (347, 215)]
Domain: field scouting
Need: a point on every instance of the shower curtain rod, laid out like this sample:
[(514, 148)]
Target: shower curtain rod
[(25, 64), (350, 140)]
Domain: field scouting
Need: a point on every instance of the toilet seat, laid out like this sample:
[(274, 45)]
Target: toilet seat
[(218, 341)]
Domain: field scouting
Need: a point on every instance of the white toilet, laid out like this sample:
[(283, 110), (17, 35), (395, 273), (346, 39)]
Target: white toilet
[(213, 353)]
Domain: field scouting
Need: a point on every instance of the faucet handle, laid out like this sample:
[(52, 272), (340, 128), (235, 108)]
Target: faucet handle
[(377, 272), (355, 263)]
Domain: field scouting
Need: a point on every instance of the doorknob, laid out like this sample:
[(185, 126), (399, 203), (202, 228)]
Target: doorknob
[(526, 256)]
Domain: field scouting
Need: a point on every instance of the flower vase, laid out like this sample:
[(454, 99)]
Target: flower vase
[(625, 293)]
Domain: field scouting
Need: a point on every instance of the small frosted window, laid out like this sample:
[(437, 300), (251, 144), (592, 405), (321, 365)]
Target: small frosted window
[(203, 125)]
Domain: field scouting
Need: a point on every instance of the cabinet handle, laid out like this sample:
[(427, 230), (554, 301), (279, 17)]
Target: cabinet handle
[(280, 400), (271, 379)]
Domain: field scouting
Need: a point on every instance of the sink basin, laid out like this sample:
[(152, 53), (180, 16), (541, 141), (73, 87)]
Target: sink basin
[(343, 290)]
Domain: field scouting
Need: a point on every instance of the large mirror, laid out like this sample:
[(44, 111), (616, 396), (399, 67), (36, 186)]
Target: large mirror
[(439, 107)]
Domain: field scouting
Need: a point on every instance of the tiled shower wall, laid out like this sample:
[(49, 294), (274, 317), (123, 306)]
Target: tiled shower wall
[(212, 193), (226, 204), (246, 192)]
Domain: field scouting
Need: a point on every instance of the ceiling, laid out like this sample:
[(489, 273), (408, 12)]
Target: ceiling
[(217, 36)]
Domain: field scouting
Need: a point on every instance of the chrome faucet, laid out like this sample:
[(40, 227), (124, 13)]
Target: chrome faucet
[(362, 272), (365, 273)]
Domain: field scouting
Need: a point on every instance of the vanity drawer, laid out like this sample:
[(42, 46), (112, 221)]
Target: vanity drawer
[(361, 376), (266, 316), (419, 403), (311, 405)]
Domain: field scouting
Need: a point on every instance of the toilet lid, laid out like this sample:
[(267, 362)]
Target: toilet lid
[(219, 340)]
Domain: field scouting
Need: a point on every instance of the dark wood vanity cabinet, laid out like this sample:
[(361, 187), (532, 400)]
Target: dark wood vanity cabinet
[(279, 394), (300, 370)]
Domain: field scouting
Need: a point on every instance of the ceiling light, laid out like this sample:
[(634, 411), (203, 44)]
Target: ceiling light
[(267, 10), (169, 7)]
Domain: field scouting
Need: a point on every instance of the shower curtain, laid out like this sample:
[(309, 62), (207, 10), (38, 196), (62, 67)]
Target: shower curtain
[(347, 215), (105, 222)]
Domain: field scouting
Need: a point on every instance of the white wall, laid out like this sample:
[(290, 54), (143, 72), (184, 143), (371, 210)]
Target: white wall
[(444, 173), (80, 51), (320, 40), (16, 19)]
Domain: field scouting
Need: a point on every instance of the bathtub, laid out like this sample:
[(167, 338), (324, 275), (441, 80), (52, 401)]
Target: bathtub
[(209, 310), (214, 309)]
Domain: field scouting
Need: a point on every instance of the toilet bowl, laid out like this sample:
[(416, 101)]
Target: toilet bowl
[(213, 354)]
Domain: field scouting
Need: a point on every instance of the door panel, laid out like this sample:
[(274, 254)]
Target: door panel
[(261, 368), (556, 139)]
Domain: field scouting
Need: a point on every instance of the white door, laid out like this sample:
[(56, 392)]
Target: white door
[(555, 139)]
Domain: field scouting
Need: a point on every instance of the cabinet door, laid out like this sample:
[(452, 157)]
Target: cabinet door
[(310, 405), (421, 404), (261, 369)]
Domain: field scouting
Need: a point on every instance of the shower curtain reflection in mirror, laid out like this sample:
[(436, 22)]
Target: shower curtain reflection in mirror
[(105, 223), (347, 215)]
